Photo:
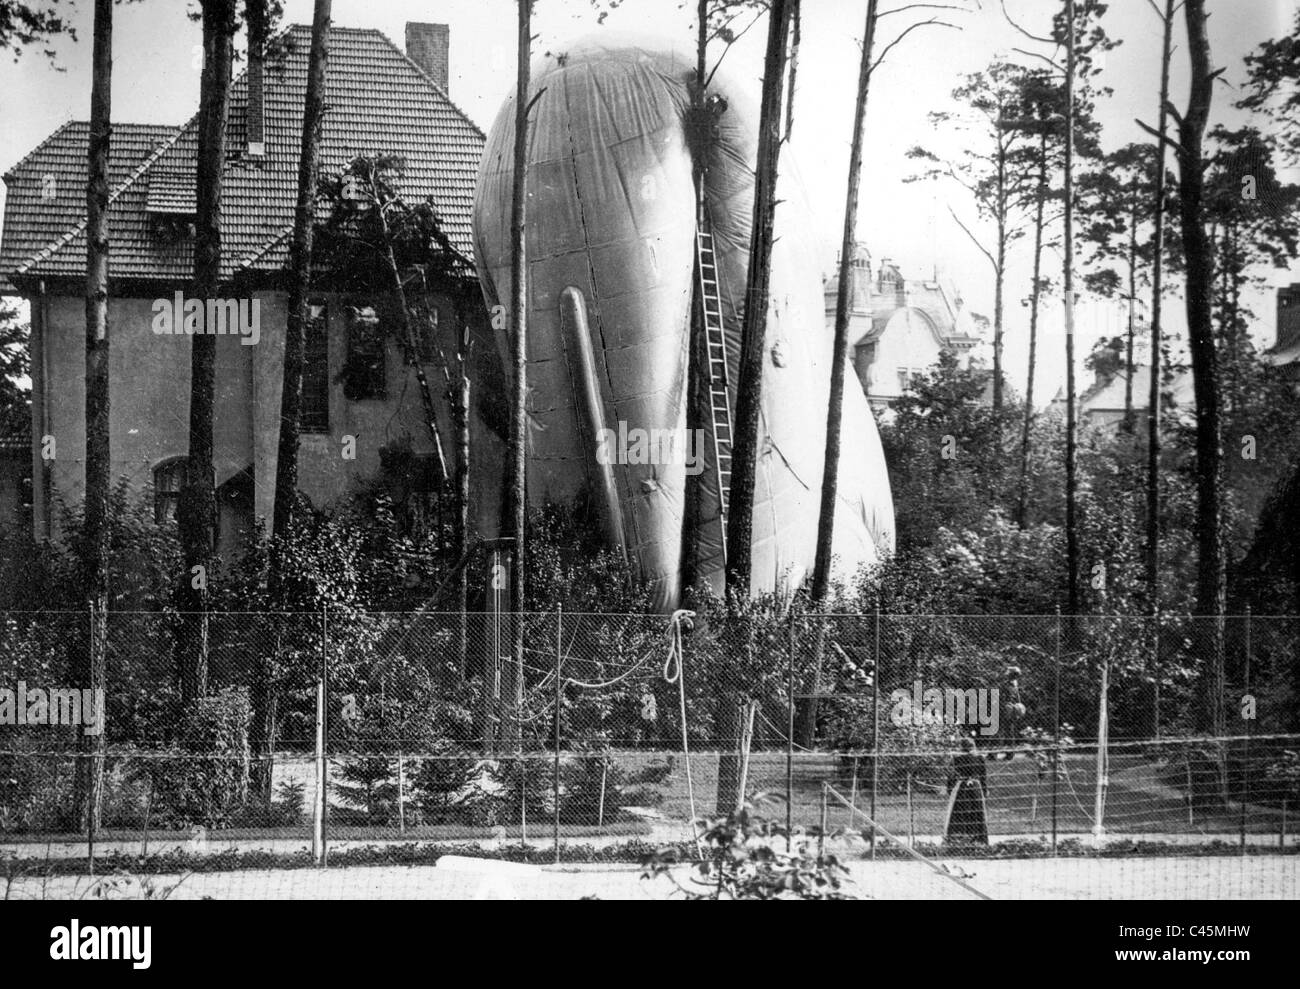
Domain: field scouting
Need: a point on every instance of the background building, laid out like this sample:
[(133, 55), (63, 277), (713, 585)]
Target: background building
[(898, 326)]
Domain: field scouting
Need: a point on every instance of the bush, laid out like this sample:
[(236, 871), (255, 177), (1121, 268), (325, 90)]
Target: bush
[(447, 790), (206, 779)]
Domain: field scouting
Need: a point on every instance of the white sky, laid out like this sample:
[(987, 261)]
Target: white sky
[(156, 81)]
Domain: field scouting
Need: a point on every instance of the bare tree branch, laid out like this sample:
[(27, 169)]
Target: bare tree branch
[(906, 31), (973, 239), (1050, 61), (737, 37), (1028, 34), (1158, 136), (918, 6)]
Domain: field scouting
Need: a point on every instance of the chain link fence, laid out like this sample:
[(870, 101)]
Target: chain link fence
[(590, 728)]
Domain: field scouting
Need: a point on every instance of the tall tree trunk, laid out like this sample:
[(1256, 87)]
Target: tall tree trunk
[(1022, 506), (97, 399), (697, 397), (796, 35), (517, 491), (749, 391), (999, 284), (1211, 578), (300, 260), (1132, 326), (844, 291), (1071, 424), (460, 535), (839, 358), (1157, 291), (197, 512)]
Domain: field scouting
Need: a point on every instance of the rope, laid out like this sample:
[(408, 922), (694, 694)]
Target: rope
[(674, 673)]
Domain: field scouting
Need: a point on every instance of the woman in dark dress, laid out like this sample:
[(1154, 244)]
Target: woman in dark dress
[(966, 821)]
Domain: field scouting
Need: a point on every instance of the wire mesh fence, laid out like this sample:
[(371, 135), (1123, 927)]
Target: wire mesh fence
[(591, 728)]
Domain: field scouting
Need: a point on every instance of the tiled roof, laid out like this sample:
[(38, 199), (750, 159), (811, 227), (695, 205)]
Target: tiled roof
[(377, 100), (169, 192), (46, 190)]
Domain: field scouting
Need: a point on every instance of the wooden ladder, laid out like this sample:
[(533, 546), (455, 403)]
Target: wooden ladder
[(715, 368)]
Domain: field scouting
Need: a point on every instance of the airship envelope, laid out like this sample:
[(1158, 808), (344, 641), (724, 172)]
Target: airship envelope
[(614, 261)]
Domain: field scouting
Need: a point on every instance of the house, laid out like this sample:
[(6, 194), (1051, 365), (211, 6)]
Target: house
[(1286, 348), (379, 99), (899, 326), (1101, 404)]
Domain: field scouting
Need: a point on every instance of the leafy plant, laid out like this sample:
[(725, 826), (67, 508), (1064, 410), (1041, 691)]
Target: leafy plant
[(741, 862)]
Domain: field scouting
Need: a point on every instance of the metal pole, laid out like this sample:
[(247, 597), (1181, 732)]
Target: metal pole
[(320, 840), (1250, 723), (91, 767), (875, 728), (318, 798), (604, 773), (821, 837), (911, 812), (1056, 730), (789, 736), (853, 792), (559, 649), (401, 796), (1155, 677)]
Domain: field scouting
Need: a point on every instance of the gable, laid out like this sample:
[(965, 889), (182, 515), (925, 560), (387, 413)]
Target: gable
[(376, 99)]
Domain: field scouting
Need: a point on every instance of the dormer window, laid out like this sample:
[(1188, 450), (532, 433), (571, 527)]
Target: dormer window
[(170, 228), (170, 206)]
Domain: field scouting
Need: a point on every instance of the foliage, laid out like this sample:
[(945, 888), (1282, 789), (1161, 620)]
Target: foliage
[(23, 24), (1274, 88), (205, 781), (742, 862)]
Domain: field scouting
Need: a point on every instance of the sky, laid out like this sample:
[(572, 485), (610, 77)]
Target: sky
[(156, 80)]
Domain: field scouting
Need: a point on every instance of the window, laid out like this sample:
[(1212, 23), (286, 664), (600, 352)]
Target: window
[(364, 374), (315, 413), (168, 478)]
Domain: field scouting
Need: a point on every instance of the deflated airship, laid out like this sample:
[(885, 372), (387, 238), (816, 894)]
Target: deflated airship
[(619, 255)]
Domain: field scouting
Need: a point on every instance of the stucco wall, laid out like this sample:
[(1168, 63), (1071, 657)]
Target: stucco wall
[(149, 406)]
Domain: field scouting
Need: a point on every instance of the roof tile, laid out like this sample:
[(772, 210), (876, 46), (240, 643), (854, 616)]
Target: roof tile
[(377, 100)]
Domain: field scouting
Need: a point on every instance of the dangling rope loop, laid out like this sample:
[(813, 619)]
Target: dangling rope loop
[(673, 673), (673, 662)]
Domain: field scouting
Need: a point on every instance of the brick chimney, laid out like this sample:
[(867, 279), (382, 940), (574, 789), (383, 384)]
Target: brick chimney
[(256, 118), (426, 46)]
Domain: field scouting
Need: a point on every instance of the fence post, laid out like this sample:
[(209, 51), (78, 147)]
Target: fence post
[(789, 735), (821, 836), (320, 807), (1250, 722), (875, 727), (559, 651), (1056, 730), (1103, 753), (853, 794), (91, 773), (911, 811), (401, 794), (1155, 675)]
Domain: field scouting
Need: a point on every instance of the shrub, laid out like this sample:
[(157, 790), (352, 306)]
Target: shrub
[(205, 781)]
